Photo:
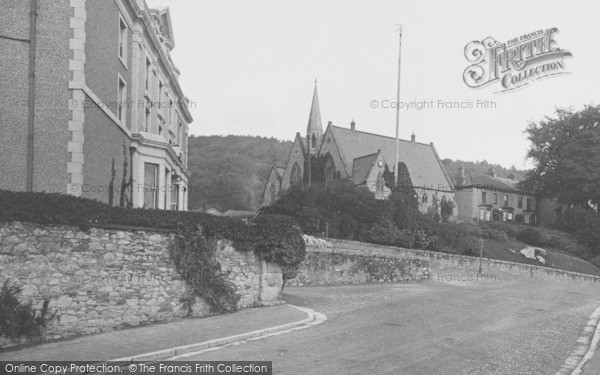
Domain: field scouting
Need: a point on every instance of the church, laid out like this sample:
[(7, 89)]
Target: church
[(348, 153)]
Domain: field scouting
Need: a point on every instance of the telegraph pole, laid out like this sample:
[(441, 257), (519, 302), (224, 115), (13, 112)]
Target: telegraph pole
[(398, 108)]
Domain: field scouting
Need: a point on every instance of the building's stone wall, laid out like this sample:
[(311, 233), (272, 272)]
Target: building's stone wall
[(50, 94), (272, 188), (343, 262), (102, 279), (330, 146), (296, 156), (14, 59), (104, 145)]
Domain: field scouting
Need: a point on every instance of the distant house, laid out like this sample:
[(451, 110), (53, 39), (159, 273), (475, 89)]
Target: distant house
[(240, 214), (493, 198), (361, 157)]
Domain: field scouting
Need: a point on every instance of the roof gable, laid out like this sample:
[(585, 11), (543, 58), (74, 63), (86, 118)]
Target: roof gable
[(423, 164), (362, 166)]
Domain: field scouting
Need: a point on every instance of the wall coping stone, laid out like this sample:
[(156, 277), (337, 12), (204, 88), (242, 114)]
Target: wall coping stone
[(434, 254)]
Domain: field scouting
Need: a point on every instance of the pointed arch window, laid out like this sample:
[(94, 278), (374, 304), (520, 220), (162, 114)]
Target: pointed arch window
[(313, 141), (296, 176), (272, 193), (330, 172)]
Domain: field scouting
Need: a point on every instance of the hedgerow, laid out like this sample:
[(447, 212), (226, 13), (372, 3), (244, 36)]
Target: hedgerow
[(275, 238)]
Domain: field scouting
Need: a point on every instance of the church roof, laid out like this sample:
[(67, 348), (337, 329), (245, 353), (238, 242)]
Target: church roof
[(361, 168), (421, 159)]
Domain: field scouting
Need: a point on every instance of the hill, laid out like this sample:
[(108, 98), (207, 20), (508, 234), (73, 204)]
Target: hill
[(479, 167), (230, 172)]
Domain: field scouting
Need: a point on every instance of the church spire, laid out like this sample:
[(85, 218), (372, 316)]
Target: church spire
[(314, 131)]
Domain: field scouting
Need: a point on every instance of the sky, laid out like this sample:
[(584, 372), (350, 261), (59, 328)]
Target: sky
[(249, 68)]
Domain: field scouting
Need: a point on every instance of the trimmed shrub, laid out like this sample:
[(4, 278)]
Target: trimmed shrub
[(497, 235), (531, 236), (388, 234)]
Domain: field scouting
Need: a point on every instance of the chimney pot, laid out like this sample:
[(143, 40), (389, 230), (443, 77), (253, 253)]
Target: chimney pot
[(352, 125), (412, 137)]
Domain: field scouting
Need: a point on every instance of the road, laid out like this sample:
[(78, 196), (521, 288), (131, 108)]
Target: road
[(491, 327)]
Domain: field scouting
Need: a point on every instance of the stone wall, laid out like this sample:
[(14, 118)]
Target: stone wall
[(102, 279), (331, 262), (344, 262)]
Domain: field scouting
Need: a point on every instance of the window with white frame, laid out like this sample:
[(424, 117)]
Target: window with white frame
[(147, 117), (148, 72), (150, 185), (175, 197), (121, 99), (167, 173), (122, 40), (160, 92)]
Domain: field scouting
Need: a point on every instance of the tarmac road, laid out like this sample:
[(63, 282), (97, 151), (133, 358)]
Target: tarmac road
[(487, 327)]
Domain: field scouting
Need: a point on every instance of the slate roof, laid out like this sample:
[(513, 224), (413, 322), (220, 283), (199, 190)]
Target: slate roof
[(361, 168), (235, 213), (422, 161), (482, 181)]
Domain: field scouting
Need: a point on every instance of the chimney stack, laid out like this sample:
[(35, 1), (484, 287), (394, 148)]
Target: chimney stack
[(412, 137), (492, 172), (352, 125)]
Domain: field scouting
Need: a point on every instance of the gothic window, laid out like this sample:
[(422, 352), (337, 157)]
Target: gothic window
[(313, 141), (330, 172), (272, 193), (296, 176)]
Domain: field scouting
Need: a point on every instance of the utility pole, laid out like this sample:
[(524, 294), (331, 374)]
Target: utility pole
[(308, 140), (398, 108)]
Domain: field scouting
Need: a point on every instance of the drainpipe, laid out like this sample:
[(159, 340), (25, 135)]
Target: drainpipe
[(31, 94)]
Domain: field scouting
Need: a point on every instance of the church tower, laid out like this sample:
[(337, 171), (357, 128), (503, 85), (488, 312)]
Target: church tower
[(314, 130)]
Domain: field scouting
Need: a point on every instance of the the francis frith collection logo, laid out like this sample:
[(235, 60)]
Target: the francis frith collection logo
[(514, 63)]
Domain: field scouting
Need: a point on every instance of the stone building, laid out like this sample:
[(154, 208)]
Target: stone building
[(92, 105), (361, 157), (493, 198)]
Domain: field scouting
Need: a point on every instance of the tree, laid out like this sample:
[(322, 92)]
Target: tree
[(404, 206), (565, 150)]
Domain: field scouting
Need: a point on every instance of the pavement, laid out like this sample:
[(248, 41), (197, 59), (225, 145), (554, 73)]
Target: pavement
[(168, 339)]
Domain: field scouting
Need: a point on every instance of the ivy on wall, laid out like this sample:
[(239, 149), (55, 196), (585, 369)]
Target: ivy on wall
[(275, 238)]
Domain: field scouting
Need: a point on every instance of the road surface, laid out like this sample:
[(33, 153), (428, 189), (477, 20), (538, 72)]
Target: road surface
[(486, 327)]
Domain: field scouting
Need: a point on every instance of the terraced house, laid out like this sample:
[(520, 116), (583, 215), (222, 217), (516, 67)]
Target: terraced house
[(91, 103), (493, 198)]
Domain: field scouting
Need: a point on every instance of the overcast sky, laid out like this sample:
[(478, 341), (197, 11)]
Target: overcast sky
[(249, 67)]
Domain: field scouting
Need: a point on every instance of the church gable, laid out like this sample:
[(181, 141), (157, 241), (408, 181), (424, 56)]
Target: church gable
[(295, 163), (421, 159), (329, 146), (272, 187)]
